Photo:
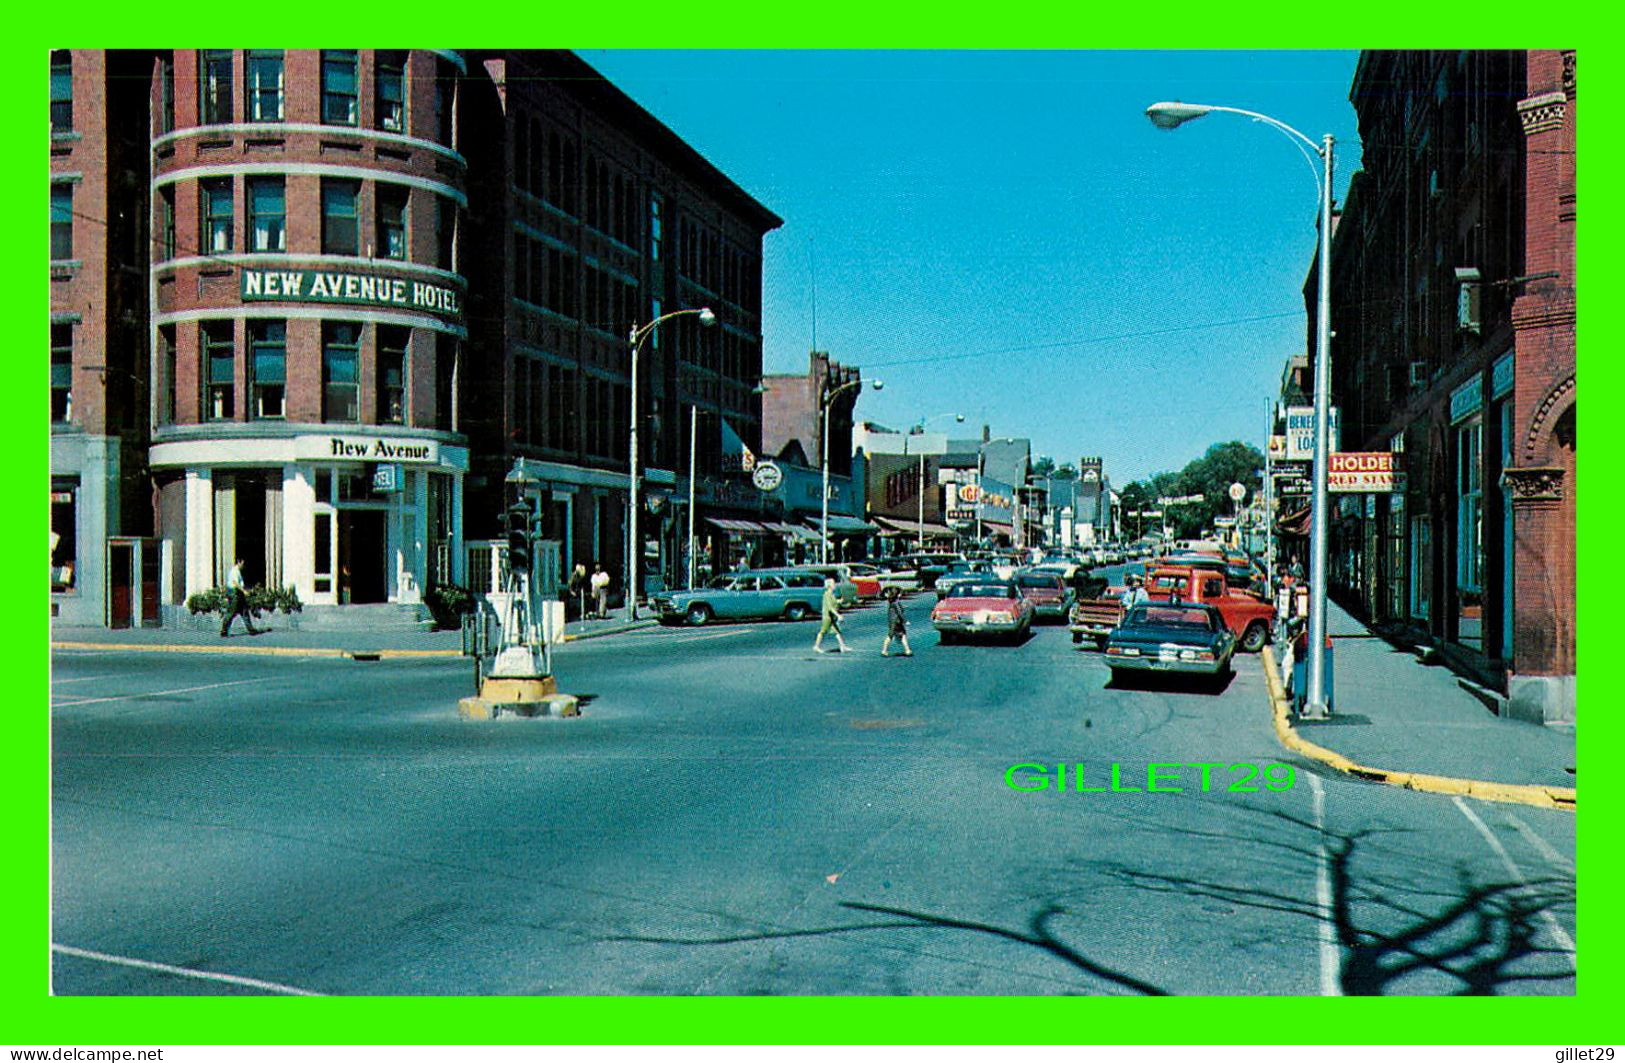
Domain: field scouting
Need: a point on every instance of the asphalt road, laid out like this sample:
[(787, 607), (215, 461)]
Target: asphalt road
[(734, 814)]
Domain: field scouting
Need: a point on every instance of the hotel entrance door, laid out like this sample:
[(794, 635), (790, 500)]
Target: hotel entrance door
[(362, 550)]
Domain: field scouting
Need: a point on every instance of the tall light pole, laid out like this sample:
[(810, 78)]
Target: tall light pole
[(823, 521), (1170, 116), (959, 418), (634, 547)]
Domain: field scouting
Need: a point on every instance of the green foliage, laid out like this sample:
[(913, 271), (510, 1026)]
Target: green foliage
[(1209, 476), (447, 604), (260, 600)]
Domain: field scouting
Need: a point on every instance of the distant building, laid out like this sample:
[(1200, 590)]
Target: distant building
[(1454, 315), (793, 427)]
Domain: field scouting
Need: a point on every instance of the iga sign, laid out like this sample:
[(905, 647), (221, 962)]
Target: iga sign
[(1300, 432), (1372, 471), (359, 289)]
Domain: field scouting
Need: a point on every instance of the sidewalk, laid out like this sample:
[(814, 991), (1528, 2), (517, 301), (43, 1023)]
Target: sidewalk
[(277, 638), (1392, 712)]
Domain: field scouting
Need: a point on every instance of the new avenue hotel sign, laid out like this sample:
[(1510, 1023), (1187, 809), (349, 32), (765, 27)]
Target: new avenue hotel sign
[(356, 289)]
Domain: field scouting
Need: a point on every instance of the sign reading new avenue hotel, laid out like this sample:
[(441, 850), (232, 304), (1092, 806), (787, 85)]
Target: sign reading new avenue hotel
[(359, 289)]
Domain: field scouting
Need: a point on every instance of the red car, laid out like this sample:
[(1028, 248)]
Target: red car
[(1047, 591), (983, 607)]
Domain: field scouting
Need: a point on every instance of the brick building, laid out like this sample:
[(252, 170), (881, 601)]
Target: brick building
[(1453, 310), (324, 296), (103, 567)]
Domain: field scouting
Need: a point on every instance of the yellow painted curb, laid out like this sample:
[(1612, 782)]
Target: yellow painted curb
[(1508, 793)]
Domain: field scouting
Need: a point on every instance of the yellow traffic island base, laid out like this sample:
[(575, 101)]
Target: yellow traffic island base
[(537, 696), (1510, 793)]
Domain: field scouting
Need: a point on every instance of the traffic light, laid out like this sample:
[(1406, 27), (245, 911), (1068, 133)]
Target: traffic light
[(519, 538)]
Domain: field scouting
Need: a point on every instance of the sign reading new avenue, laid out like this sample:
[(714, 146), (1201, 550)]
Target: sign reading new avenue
[(357, 289)]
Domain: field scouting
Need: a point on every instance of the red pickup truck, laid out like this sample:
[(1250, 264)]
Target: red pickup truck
[(1247, 617)]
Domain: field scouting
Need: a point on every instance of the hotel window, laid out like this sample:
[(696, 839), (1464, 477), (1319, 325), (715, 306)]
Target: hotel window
[(268, 361), (214, 86), (445, 97), (446, 231), (655, 207), (219, 367), (391, 85), (267, 214), (61, 222), (61, 373), (166, 90), (339, 88), (166, 221), (392, 342), (217, 215), (61, 92), (341, 227), (341, 371), (264, 86), (391, 221), (166, 341)]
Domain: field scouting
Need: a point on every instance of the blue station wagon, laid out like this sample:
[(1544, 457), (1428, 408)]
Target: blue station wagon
[(759, 594)]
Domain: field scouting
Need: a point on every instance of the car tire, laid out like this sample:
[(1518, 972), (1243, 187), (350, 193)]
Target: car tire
[(946, 638), (797, 611), (1077, 638), (1253, 639), (699, 614)]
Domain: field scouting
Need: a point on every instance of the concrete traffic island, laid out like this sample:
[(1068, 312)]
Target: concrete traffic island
[(525, 696)]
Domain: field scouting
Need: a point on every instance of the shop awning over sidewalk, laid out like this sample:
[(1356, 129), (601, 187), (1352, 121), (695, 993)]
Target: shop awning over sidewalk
[(1296, 523), (839, 525), (898, 526), (743, 527), (794, 531)]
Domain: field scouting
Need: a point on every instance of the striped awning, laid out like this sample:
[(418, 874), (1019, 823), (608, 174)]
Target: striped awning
[(910, 527), (742, 527), (794, 531), (839, 525)]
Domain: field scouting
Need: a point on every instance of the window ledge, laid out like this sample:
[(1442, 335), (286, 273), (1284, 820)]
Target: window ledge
[(64, 135)]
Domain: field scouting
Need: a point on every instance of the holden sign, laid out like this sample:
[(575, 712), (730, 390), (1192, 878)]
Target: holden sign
[(1361, 472), (767, 476)]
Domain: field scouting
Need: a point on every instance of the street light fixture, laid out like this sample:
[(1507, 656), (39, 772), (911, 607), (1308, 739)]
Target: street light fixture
[(959, 418), (634, 547), (823, 522), (1171, 116)]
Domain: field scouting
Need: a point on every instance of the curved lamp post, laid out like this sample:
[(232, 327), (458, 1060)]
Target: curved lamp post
[(634, 548), (1171, 116), (823, 522), (959, 418)]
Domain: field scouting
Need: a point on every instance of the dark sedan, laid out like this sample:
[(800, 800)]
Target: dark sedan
[(1163, 637)]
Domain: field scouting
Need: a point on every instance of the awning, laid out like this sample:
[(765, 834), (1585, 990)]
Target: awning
[(1295, 523), (794, 531), (898, 526), (998, 529), (839, 525), (743, 527)]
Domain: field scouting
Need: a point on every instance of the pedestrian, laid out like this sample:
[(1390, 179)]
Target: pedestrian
[(1136, 593), (578, 588), (600, 591), (239, 601), (896, 623), (831, 620)]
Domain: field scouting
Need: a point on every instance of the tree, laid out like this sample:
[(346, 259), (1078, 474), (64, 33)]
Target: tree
[(1043, 467), (1209, 476)]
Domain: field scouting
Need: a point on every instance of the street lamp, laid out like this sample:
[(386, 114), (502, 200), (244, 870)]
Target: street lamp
[(634, 548), (1170, 116), (959, 418), (823, 521), (981, 472)]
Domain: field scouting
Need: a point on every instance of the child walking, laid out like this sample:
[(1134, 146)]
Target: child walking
[(896, 623)]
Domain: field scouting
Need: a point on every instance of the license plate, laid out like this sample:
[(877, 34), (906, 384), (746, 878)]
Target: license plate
[(1168, 655)]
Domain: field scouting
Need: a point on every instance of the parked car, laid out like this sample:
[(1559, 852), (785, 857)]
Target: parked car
[(759, 594), (898, 572), (1164, 637), (1248, 617), (960, 572), (866, 578), (982, 607), (1047, 591), (845, 589)]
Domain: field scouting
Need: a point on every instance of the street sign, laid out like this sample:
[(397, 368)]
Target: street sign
[(386, 478), (767, 476), (1369, 471), (1237, 492)]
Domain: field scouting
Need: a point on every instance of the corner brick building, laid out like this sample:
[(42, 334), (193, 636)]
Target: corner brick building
[(1454, 313)]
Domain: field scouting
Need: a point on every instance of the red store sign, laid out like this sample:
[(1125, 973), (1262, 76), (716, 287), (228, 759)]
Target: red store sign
[(1371, 471)]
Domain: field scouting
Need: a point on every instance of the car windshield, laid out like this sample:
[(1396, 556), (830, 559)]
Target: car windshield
[(983, 590), (967, 568), (1171, 616), (1050, 582)]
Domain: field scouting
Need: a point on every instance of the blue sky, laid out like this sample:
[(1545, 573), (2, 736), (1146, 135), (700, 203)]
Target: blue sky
[(1005, 235)]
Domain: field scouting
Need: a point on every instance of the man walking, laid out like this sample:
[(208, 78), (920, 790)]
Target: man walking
[(831, 619), (239, 601), (1136, 593), (600, 591), (896, 623)]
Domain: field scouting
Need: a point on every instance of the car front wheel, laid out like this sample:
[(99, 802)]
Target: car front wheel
[(797, 611), (699, 615), (1253, 639)]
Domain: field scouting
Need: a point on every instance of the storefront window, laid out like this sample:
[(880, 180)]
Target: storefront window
[(64, 537), (1470, 534)]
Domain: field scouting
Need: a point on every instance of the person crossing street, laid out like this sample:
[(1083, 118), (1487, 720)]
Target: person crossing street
[(239, 602), (896, 623), (831, 619)]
